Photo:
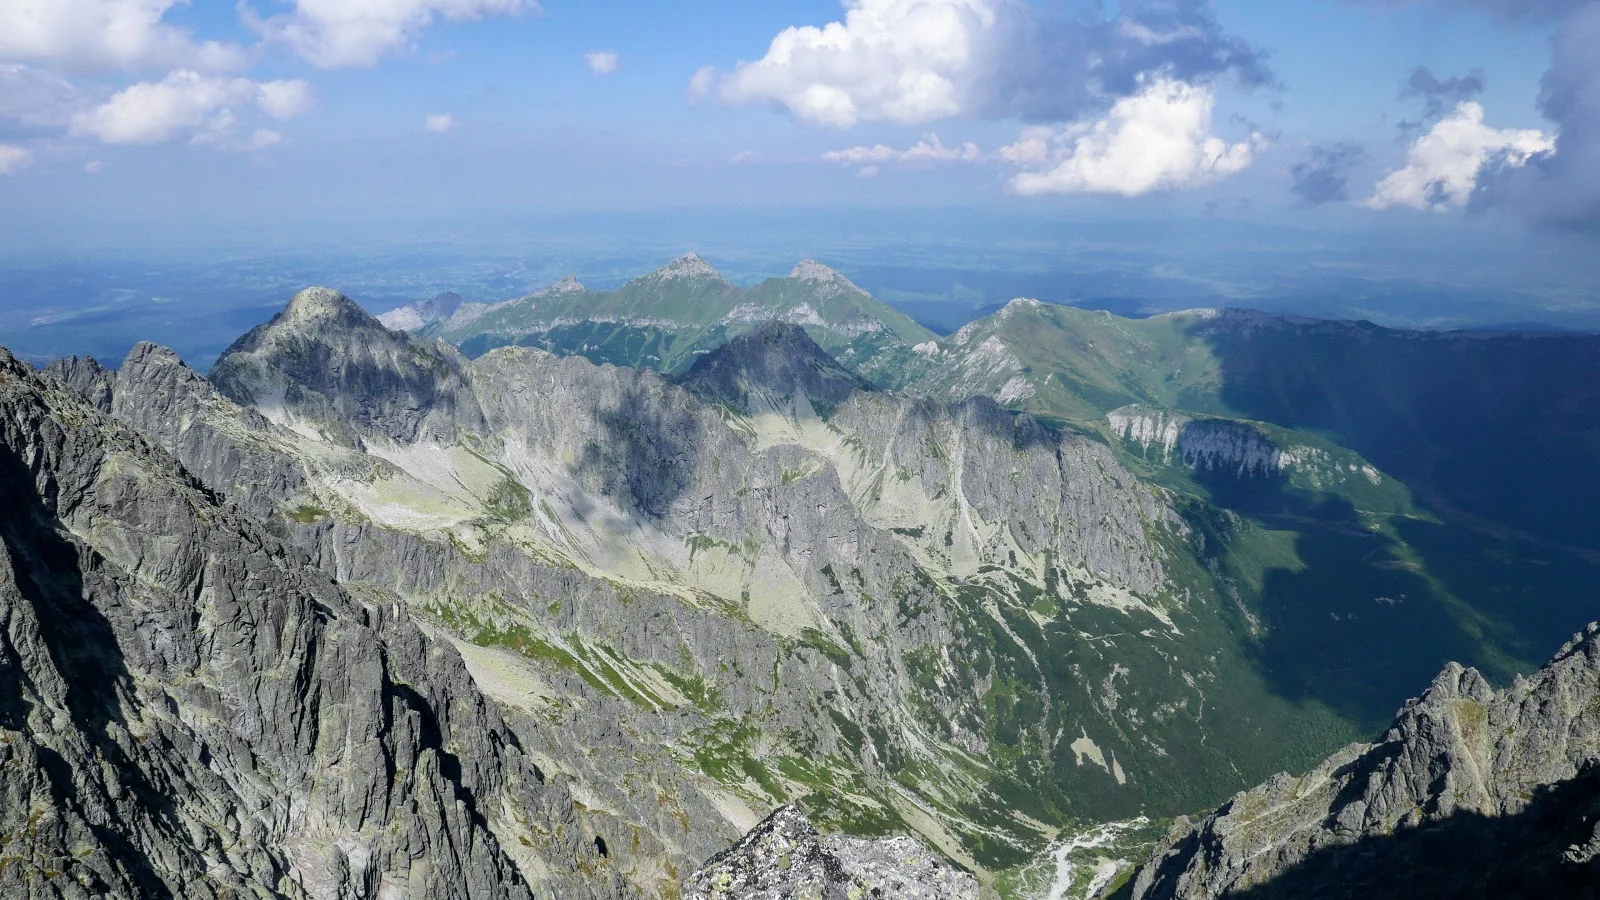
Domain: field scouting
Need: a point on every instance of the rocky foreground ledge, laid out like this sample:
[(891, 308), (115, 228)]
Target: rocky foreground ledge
[(1472, 793), (784, 857)]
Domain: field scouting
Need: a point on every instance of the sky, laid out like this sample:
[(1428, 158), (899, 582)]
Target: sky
[(127, 117)]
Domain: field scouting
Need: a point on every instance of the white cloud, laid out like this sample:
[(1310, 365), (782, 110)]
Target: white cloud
[(284, 99), (868, 172), (185, 104), (334, 33), (94, 167), (1442, 166), (1157, 139), (702, 83), (744, 157), (928, 150), (105, 33), (916, 61), (896, 60), (14, 158), (262, 138), (439, 123), (602, 62)]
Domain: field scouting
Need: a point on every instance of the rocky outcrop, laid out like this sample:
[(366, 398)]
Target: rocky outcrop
[(189, 709), (785, 857), (1472, 792)]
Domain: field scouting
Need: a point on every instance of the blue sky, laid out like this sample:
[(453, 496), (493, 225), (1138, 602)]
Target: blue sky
[(1267, 109)]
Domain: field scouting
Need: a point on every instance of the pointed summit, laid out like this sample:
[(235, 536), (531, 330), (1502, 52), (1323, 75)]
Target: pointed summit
[(813, 272), (777, 358), (328, 363), (689, 265)]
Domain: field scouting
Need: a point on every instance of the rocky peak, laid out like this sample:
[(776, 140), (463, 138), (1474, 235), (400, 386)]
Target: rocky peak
[(317, 305), (85, 377), (328, 363), (784, 856), (689, 265), (776, 358)]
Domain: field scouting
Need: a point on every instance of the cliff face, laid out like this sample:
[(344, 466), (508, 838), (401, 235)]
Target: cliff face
[(189, 708), (1472, 792)]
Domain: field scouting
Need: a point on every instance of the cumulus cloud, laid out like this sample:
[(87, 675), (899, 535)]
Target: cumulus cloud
[(915, 61), (1324, 175), (928, 150), (96, 34), (14, 158), (439, 123), (188, 104), (1157, 139), (94, 167), (1443, 166), (1561, 187), (336, 33), (602, 62), (284, 99)]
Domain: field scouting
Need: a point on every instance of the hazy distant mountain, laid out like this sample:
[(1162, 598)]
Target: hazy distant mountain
[(665, 319), (420, 313)]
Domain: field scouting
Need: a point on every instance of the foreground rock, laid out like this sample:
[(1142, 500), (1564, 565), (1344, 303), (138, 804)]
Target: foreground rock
[(784, 857), (1472, 793), (188, 708)]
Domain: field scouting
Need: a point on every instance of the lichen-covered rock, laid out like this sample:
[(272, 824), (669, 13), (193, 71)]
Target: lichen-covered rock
[(784, 857)]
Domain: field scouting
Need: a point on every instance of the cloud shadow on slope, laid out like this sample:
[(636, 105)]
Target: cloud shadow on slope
[(643, 456), (1367, 616)]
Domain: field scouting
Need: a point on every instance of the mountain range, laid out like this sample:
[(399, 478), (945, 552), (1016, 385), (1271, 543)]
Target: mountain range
[(622, 572)]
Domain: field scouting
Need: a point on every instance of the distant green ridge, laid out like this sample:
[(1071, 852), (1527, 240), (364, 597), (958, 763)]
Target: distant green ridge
[(669, 317)]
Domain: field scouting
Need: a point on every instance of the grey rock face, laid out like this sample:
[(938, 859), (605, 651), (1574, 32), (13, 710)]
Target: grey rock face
[(784, 857), (189, 709), (1472, 792), (326, 361), (777, 358)]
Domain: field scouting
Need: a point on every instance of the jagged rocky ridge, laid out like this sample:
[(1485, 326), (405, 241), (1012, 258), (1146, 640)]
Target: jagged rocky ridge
[(1472, 792), (695, 600), (189, 708), (801, 590)]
